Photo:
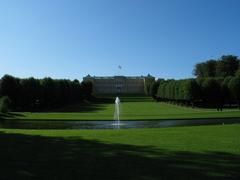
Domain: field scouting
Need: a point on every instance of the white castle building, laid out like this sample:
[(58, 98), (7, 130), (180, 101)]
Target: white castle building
[(118, 84)]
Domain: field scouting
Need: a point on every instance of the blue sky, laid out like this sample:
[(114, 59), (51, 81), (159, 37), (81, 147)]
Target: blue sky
[(73, 38)]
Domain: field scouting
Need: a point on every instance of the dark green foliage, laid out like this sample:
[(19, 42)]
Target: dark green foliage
[(186, 90), (234, 87), (10, 86), (191, 90), (225, 66), (87, 88), (211, 90), (4, 104), (226, 94), (35, 94), (214, 92), (199, 70), (206, 69), (148, 84), (154, 88), (238, 72), (31, 92), (217, 82), (161, 89)]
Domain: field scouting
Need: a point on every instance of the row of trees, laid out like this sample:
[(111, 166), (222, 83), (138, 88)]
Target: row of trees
[(224, 67), (47, 93), (148, 82), (201, 91)]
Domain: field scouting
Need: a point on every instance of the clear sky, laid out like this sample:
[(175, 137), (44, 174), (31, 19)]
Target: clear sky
[(73, 38)]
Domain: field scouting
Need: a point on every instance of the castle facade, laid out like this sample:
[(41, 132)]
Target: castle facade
[(117, 84)]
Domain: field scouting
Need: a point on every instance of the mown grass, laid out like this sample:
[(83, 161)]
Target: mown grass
[(199, 152), (132, 108)]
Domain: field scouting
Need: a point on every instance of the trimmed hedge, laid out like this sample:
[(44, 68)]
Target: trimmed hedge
[(34, 94), (201, 91)]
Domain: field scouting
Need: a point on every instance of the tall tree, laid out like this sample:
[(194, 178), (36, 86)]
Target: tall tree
[(31, 92), (191, 91), (206, 69), (234, 87), (10, 87), (211, 90), (227, 66), (49, 95), (148, 83), (155, 86), (199, 70)]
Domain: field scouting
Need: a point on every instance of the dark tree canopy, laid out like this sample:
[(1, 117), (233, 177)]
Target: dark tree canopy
[(10, 86), (234, 87), (206, 69), (34, 94), (213, 92), (225, 66)]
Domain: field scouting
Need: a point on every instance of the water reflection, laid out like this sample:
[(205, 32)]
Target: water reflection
[(55, 124)]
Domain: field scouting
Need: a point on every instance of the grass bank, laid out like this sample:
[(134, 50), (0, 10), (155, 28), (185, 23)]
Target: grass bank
[(202, 152), (132, 108)]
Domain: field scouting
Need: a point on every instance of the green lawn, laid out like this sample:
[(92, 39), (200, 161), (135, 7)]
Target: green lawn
[(133, 108), (198, 152)]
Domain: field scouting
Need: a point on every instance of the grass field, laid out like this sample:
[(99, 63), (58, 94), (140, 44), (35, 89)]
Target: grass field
[(202, 152), (133, 108)]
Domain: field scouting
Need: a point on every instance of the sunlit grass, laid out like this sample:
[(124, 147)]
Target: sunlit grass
[(132, 108)]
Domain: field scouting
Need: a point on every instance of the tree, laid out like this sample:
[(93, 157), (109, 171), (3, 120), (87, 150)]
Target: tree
[(199, 70), (48, 90), (234, 87), (211, 91), (161, 89), (227, 66), (210, 68), (10, 87), (76, 90), (225, 92), (191, 91), (31, 92), (154, 88), (87, 89), (4, 104), (206, 69), (148, 83)]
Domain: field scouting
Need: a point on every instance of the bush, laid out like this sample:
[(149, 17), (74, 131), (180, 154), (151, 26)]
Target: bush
[(4, 104), (234, 87), (43, 94)]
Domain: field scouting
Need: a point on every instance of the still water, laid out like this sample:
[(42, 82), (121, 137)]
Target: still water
[(55, 124)]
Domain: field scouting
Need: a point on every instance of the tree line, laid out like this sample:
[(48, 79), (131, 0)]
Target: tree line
[(217, 84), (32, 94), (225, 66), (206, 92)]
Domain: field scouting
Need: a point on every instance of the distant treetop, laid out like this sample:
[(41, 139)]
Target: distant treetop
[(225, 66)]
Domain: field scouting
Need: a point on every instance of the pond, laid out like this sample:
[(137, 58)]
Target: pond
[(58, 124)]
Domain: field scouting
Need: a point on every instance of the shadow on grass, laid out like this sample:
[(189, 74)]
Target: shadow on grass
[(81, 107), (99, 104), (36, 157), (10, 115), (124, 98)]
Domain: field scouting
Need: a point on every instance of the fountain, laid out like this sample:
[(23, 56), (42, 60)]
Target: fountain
[(117, 112)]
